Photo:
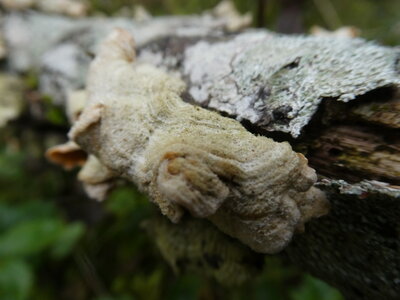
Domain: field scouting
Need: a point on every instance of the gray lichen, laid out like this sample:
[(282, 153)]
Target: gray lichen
[(278, 82)]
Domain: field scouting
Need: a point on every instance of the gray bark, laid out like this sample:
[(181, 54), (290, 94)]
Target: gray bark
[(356, 247)]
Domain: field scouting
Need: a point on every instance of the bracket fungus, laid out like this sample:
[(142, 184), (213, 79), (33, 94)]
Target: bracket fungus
[(97, 179), (185, 157)]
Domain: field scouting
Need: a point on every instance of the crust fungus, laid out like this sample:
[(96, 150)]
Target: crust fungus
[(211, 253), (185, 157)]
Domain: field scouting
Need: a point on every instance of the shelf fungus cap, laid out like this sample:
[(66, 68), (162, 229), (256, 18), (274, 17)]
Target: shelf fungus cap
[(68, 155), (190, 159)]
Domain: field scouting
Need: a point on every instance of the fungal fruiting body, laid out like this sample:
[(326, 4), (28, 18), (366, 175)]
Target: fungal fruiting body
[(97, 179), (187, 158)]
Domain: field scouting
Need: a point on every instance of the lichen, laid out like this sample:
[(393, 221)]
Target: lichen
[(278, 82)]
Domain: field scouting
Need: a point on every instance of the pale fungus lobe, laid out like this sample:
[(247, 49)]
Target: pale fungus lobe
[(68, 155), (187, 158), (97, 179)]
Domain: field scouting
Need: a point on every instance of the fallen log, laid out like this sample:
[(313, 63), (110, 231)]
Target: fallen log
[(334, 99)]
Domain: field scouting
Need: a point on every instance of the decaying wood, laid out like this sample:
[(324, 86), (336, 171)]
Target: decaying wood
[(383, 113), (354, 153), (356, 246)]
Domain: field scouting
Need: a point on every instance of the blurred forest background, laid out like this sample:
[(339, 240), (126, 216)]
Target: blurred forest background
[(55, 243)]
